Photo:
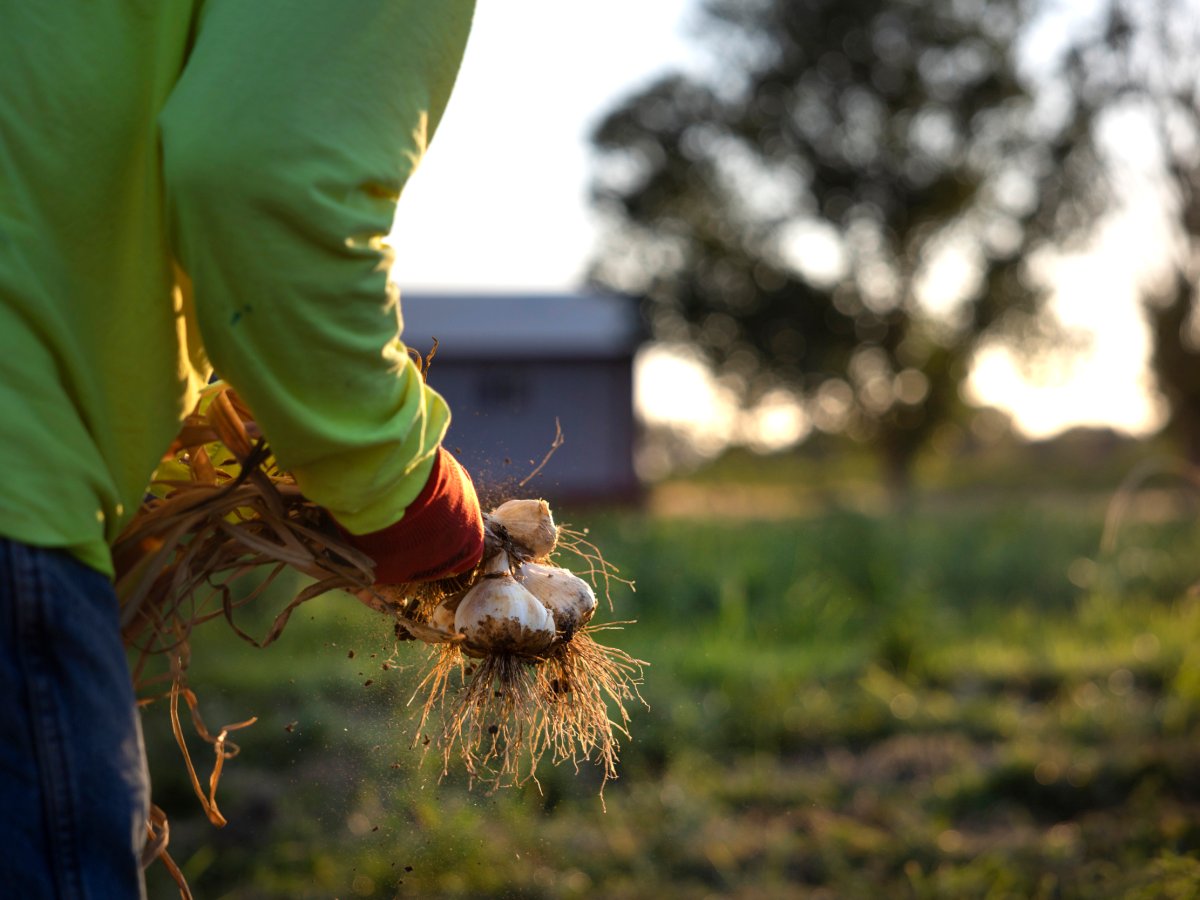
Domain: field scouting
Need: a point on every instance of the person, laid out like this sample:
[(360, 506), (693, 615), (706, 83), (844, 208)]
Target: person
[(191, 186)]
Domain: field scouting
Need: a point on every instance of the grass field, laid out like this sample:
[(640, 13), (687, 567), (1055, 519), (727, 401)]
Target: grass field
[(964, 700)]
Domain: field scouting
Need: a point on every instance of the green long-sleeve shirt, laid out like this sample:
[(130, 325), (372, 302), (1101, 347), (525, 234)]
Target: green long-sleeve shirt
[(189, 184)]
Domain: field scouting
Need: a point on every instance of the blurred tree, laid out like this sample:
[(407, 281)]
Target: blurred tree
[(1136, 74), (845, 211)]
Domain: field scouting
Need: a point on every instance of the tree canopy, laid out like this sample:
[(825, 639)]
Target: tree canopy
[(844, 208)]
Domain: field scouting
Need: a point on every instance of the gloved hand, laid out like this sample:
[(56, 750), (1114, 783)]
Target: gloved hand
[(441, 533)]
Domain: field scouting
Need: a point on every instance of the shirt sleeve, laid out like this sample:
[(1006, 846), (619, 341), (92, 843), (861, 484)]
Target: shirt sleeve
[(286, 142), (440, 535)]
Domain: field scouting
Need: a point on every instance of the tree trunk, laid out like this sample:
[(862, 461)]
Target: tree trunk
[(1176, 362), (896, 455)]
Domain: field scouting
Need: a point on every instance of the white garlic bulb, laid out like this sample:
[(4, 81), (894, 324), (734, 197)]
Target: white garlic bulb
[(569, 598), (499, 615), (443, 617), (530, 524)]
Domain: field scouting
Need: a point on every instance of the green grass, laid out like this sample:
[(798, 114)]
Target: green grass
[(965, 701)]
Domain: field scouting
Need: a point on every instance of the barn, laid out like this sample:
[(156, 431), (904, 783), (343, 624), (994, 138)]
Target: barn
[(516, 368)]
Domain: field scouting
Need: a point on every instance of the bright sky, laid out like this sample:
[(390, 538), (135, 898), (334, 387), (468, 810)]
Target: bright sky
[(500, 203), (500, 200)]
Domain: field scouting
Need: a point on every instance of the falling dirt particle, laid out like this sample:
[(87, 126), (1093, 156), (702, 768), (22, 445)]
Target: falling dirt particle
[(408, 868), (376, 828), (368, 682), (492, 729), (385, 667), (350, 655), (291, 726)]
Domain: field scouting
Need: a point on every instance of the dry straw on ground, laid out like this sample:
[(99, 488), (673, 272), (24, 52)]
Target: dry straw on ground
[(221, 509)]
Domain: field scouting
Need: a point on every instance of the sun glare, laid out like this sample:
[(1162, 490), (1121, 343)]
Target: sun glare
[(675, 390), (1106, 385)]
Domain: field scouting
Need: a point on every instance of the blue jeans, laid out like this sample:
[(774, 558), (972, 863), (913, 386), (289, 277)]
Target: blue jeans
[(74, 793)]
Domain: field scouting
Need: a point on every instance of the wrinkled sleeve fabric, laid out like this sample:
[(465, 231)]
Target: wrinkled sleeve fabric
[(286, 143)]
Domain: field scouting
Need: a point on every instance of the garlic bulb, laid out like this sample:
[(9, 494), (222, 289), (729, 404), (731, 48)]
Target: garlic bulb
[(443, 617), (530, 524), (499, 615), (569, 598)]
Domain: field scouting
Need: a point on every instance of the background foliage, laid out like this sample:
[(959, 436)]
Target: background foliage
[(846, 207)]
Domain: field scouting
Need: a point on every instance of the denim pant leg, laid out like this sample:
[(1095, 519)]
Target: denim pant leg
[(74, 792)]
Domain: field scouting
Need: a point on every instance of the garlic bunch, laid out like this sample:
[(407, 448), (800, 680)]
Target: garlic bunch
[(499, 615), (569, 598), (530, 524)]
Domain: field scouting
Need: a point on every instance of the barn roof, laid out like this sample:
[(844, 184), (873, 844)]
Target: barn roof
[(528, 326)]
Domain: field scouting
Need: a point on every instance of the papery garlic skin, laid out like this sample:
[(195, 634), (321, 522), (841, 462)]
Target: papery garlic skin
[(569, 598), (498, 615), (529, 523)]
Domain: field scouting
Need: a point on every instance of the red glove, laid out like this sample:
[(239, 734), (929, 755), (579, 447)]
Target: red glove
[(440, 535)]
